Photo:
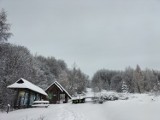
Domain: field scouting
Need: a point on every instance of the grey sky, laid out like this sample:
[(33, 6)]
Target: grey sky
[(95, 34)]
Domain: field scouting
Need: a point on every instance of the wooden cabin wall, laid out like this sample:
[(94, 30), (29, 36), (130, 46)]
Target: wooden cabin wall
[(54, 94), (25, 98)]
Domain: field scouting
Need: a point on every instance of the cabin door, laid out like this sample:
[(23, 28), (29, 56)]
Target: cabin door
[(62, 98)]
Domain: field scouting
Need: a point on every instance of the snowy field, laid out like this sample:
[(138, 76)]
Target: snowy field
[(137, 107)]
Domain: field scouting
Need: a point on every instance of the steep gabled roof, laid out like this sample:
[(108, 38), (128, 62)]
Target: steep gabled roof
[(60, 87), (22, 83)]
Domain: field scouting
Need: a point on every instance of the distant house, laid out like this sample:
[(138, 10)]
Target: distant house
[(57, 94), (27, 93)]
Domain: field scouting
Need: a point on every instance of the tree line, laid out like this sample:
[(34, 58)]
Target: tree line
[(136, 80), (17, 62)]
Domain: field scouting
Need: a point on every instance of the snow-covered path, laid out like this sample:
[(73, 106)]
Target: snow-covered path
[(53, 112)]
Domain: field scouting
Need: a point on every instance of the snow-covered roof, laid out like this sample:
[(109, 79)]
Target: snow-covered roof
[(78, 97), (60, 87), (22, 83)]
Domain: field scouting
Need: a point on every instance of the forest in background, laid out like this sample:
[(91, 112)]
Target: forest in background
[(136, 80)]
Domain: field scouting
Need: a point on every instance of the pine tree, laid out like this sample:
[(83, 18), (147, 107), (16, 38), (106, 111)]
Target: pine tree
[(138, 79), (4, 27), (124, 87), (156, 88)]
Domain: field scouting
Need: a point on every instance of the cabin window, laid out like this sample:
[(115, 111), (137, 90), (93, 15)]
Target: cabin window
[(21, 98), (50, 95), (25, 99), (37, 97), (32, 98), (21, 93), (20, 81)]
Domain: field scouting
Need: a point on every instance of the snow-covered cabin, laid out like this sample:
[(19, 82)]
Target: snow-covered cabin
[(57, 94), (27, 93)]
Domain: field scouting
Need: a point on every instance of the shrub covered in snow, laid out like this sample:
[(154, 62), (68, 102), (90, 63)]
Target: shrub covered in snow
[(111, 96)]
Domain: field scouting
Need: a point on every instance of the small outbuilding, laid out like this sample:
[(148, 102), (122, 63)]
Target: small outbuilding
[(80, 99), (27, 93), (57, 94)]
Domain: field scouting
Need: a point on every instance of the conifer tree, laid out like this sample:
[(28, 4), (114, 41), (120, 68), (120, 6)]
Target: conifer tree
[(124, 87), (4, 27)]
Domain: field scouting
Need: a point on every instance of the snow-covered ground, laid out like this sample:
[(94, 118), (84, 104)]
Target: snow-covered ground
[(137, 107)]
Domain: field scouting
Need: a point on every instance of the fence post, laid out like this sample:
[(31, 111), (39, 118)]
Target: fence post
[(8, 107)]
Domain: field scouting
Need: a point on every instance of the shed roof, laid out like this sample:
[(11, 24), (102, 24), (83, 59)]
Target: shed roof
[(60, 87), (22, 83)]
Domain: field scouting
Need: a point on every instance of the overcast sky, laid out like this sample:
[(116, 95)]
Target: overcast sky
[(94, 34)]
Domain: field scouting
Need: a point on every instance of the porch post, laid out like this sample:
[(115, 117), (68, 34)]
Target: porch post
[(66, 98), (29, 94)]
